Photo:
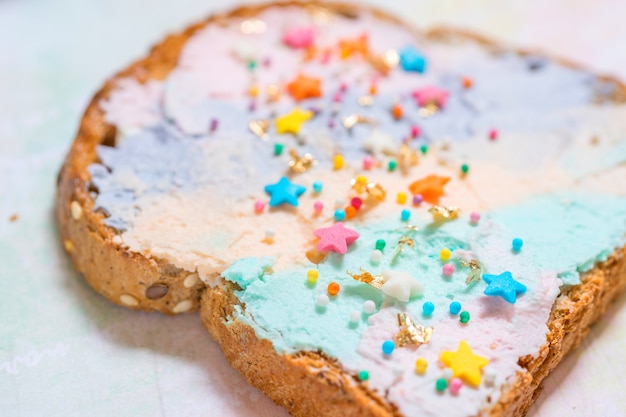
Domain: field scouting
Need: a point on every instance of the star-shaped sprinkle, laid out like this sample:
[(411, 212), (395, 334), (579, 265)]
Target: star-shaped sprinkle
[(503, 285), (412, 60), (284, 191), (299, 37), (400, 285), (379, 143), (349, 47), (292, 121), (304, 87), (335, 238), (464, 363), (431, 95), (430, 188)]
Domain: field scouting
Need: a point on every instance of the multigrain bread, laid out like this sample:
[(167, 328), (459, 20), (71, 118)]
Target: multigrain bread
[(304, 378)]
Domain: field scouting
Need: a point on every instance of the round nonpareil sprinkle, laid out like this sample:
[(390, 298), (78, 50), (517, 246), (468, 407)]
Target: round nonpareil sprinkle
[(356, 202), (448, 269), (338, 161), (339, 203), (388, 347), (318, 206), (368, 162), (278, 148), (312, 275), (428, 308), (441, 384), (397, 111), (363, 375), (213, 125), (369, 307), (405, 215), (474, 217), (421, 365), (340, 215), (317, 186), (489, 375), (445, 254), (350, 212), (415, 131), (322, 300), (333, 288), (455, 307), (517, 244), (401, 198), (392, 165), (464, 169), (424, 149), (455, 385), (464, 317), (380, 244), (259, 206), (417, 199), (447, 373), (376, 256), (355, 316), (269, 234), (493, 134)]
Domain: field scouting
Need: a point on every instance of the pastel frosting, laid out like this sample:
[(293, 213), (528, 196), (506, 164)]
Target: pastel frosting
[(187, 172)]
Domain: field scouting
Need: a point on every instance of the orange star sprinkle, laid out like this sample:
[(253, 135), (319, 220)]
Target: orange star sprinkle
[(430, 188), (348, 47), (464, 363), (304, 87)]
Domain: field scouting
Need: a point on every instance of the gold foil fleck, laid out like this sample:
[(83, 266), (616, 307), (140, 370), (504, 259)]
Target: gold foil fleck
[(411, 334), (300, 164), (402, 242), (475, 271), (376, 191), (428, 110), (407, 157), (441, 213), (366, 100), (350, 121), (375, 281), (273, 93), (259, 127)]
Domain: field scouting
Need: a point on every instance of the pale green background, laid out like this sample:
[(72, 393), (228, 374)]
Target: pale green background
[(64, 350)]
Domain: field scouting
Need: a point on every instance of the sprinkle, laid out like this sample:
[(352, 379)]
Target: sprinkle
[(363, 375), (331, 123), (415, 131), (388, 347), (517, 244), (474, 217), (493, 134), (417, 199), (355, 316), (317, 187), (312, 275), (76, 210), (318, 206), (431, 96), (322, 300), (441, 384), (252, 64), (253, 91), (464, 317), (421, 365), (448, 270), (356, 202), (412, 60), (467, 82), (503, 285), (339, 203), (292, 122), (401, 285), (424, 149), (335, 238), (392, 165), (376, 256), (428, 308), (380, 244), (337, 98), (278, 148), (299, 37), (396, 111), (464, 169), (338, 161), (490, 376), (455, 385), (252, 106), (405, 215), (259, 206), (430, 187), (369, 307), (304, 87), (269, 235), (447, 373), (455, 307), (465, 364), (373, 89), (445, 254), (401, 198), (333, 288), (368, 162), (284, 191), (213, 125), (340, 215), (350, 212)]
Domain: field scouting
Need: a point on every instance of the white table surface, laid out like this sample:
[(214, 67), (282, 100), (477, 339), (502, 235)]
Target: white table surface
[(65, 350)]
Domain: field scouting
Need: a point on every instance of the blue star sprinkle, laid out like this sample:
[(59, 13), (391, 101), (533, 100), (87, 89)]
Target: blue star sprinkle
[(284, 191), (412, 60), (503, 285)]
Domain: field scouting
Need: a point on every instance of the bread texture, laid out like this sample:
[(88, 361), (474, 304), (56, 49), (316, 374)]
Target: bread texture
[(306, 383)]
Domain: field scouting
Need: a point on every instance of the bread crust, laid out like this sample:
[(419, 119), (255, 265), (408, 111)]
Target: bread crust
[(307, 383)]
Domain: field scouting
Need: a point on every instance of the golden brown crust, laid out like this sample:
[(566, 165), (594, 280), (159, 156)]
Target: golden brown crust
[(307, 383)]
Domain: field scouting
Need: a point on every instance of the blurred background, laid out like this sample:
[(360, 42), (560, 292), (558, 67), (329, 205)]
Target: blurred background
[(64, 350)]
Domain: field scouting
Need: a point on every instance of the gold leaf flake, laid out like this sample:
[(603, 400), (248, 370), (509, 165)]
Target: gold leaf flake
[(350, 121), (411, 334), (259, 127), (300, 164), (375, 281), (475, 271), (441, 213)]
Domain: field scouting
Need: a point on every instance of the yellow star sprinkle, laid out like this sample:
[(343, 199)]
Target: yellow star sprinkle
[(464, 363), (292, 121)]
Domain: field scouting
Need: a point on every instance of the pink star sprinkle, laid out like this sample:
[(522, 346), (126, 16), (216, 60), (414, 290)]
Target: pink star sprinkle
[(299, 37), (431, 94), (335, 238)]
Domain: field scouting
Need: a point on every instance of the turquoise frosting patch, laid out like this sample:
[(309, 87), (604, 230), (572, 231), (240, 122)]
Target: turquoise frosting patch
[(563, 233)]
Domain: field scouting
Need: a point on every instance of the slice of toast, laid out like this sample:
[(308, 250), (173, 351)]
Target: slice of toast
[(218, 171)]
